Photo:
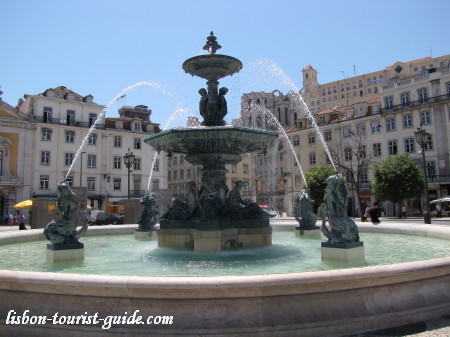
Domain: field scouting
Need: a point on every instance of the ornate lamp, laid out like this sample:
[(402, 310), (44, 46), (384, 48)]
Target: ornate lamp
[(422, 139), (129, 159)]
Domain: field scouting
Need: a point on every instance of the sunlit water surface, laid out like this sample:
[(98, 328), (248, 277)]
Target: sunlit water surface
[(123, 255)]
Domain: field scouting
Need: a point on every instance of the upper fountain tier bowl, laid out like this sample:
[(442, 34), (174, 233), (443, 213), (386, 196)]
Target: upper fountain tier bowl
[(212, 67), (224, 141)]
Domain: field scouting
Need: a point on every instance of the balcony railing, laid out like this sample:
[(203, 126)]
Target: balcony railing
[(6, 180), (415, 104), (64, 122), (439, 179)]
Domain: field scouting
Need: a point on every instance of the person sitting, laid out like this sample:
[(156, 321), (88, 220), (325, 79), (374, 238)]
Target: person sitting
[(374, 213)]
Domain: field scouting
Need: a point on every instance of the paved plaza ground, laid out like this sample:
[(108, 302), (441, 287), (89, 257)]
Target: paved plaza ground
[(438, 327)]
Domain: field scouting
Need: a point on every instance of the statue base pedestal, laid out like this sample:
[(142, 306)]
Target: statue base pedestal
[(214, 240), (342, 252), (65, 253), (308, 233), (145, 235)]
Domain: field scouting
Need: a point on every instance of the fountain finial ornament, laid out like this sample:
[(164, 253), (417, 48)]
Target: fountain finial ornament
[(211, 44)]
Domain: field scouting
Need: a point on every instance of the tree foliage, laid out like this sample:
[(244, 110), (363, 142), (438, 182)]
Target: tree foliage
[(397, 178), (316, 179)]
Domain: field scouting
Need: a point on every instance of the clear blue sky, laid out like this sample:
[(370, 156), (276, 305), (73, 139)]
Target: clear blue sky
[(100, 47)]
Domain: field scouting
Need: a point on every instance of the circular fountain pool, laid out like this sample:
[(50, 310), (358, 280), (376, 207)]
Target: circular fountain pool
[(327, 302), (123, 255)]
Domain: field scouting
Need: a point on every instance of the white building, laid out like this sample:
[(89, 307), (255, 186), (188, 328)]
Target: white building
[(63, 120)]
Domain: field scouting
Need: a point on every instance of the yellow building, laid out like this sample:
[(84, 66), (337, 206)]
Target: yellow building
[(16, 149)]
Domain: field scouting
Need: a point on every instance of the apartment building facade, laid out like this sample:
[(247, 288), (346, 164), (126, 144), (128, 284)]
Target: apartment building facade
[(64, 121), (416, 93)]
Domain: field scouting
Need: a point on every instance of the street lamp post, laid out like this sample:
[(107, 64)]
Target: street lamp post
[(129, 159), (81, 168), (422, 139), (108, 180)]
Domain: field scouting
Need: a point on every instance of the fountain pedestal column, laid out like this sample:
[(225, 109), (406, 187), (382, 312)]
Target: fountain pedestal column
[(343, 252), (64, 253)]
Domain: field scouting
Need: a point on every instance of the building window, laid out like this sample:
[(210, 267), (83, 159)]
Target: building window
[(360, 130), (70, 120), (91, 160), (390, 124), (137, 164), (46, 134), (392, 147), (296, 141), (233, 168), (181, 159), (375, 126), (321, 119), (155, 184), (156, 165), (69, 181), (347, 154), (43, 182), (117, 141), (362, 151), (68, 159), (137, 126), (188, 173), (70, 136), (117, 183), (175, 175), (92, 139), (347, 132), (377, 149), (117, 162), (169, 177), (429, 144), (328, 136), (311, 139), (407, 121), (245, 168), (448, 87), (389, 102), (47, 115), (364, 178), (404, 98), (425, 117), (45, 157), (175, 160), (423, 95), (137, 143), (409, 145), (91, 184), (431, 170), (312, 158), (181, 174), (92, 119)]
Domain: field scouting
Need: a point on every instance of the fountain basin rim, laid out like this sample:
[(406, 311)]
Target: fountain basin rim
[(223, 286), (195, 66)]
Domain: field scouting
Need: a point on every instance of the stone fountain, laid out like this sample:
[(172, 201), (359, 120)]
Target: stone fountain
[(213, 217)]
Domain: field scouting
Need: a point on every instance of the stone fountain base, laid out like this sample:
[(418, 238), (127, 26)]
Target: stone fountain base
[(308, 233), (342, 252), (65, 253), (145, 235), (214, 240)]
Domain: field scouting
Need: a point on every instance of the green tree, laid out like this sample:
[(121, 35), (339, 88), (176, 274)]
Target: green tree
[(397, 178), (316, 179)]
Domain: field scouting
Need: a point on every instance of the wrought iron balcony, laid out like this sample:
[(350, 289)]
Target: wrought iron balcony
[(64, 122), (439, 179), (415, 104)]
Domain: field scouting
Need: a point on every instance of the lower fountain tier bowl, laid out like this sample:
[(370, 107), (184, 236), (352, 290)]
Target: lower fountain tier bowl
[(212, 67), (221, 143)]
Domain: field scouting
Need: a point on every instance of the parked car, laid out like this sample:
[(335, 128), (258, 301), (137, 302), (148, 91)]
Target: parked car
[(100, 218)]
